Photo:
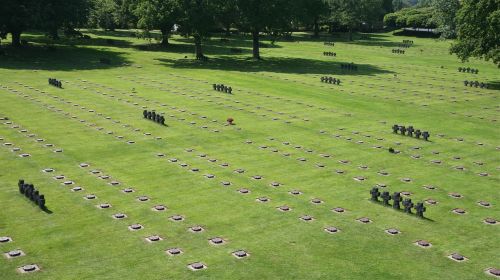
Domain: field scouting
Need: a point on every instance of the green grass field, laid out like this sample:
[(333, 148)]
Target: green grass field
[(286, 121)]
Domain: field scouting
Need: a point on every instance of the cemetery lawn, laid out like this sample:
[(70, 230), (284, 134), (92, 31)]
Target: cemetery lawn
[(282, 113)]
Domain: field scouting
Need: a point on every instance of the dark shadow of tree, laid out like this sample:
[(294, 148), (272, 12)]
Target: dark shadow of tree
[(188, 49), (64, 41), (60, 58), (272, 64)]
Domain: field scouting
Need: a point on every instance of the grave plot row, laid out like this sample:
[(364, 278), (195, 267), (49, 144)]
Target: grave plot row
[(284, 208), (280, 99), (180, 119), (107, 205), (379, 95), (477, 162), (67, 114), (244, 105), (362, 178), (17, 253), (132, 227)]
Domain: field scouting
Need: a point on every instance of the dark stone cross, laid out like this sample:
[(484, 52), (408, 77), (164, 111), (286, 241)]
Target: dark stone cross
[(418, 133), (385, 198), (410, 131), (420, 208), (375, 194), (407, 205), (20, 184), (396, 197), (41, 202), (426, 135), (402, 129)]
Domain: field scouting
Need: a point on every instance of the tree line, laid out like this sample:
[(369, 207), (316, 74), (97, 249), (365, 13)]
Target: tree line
[(471, 21)]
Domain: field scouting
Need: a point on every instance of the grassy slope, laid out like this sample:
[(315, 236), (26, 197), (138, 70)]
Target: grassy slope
[(79, 241)]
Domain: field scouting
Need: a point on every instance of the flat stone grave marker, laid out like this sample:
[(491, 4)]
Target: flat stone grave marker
[(196, 229), (135, 227), (216, 241), (28, 268), (423, 244), (119, 216), (392, 231), (176, 218), (153, 238), (5, 239), (364, 220), (457, 257), (284, 208), (197, 266)]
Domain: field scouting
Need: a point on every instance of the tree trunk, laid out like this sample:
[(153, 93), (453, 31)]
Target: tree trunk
[(197, 47), (256, 45), (350, 33), (54, 34), (316, 28), (228, 30), (164, 37), (16, 39)]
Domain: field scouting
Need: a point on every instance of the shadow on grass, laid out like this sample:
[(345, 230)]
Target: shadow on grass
[(65, 41), (60, 58), (188, 49), (494, 85), (272, 64)]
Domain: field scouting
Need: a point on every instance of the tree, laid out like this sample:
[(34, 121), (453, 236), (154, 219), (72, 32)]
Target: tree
[(478, 30), (263, 15), (16, 16), (400, 4), (353, 13), (412, 17), (158, 14), (387, 6), (310, 12), (125, 15), (228, 14), (104, 14), (56, 14), (446, 12), (197, 19)]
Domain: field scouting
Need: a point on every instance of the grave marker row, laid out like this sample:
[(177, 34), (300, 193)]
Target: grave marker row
[(475, 84), (30, 192), (330, 80), (329, 54), (222, 88), (152, 115), (351, 66), (397, 199), (55, 82), (468, 70), (398, 51), (410, 131)]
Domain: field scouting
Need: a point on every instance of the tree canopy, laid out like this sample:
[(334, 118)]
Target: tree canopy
[(478, 30)]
